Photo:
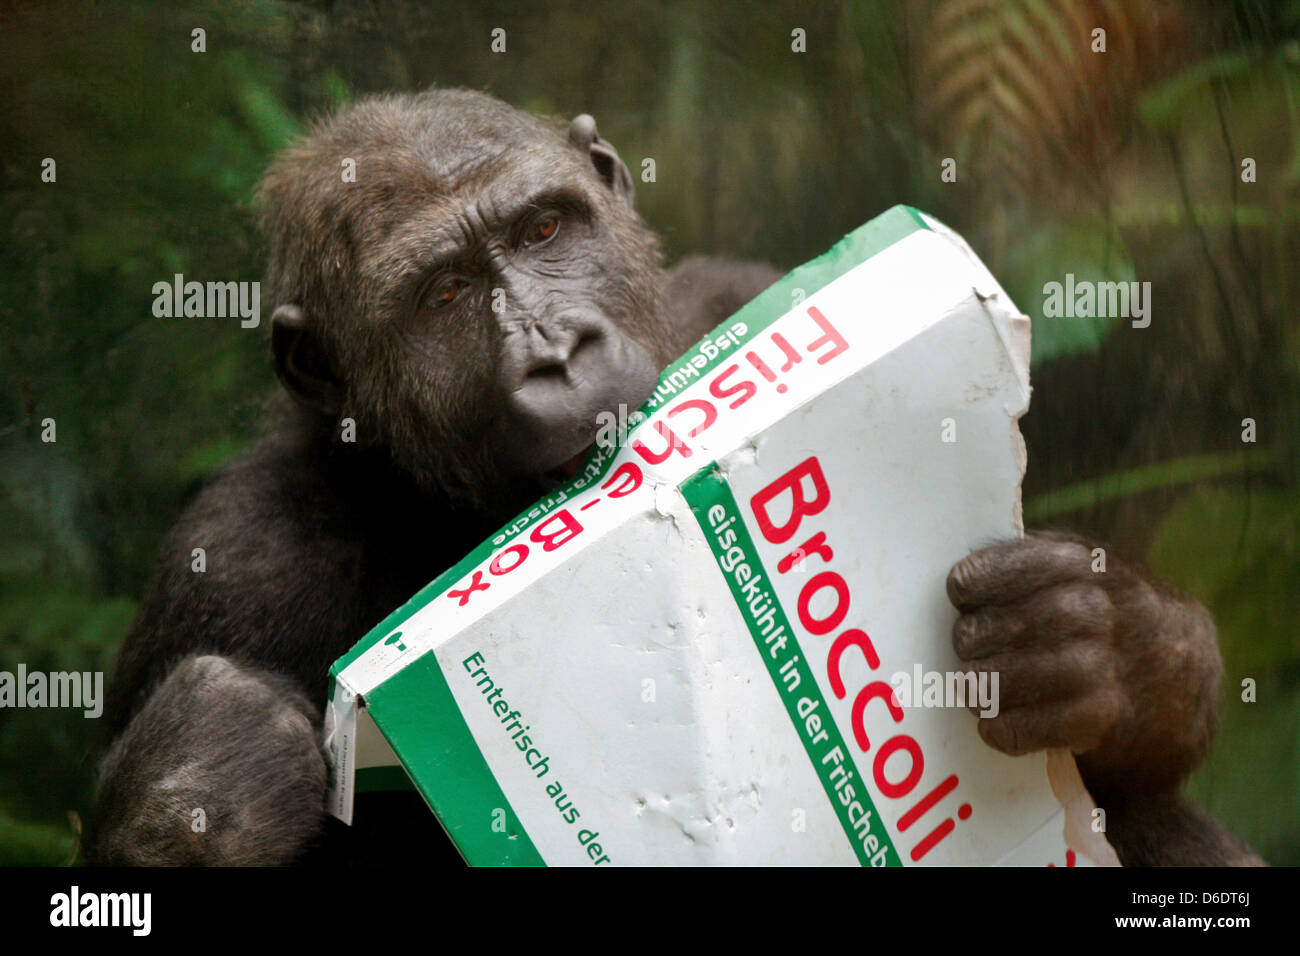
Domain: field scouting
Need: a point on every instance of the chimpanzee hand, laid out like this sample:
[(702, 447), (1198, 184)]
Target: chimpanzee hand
[(222, 766), (1106, 663)]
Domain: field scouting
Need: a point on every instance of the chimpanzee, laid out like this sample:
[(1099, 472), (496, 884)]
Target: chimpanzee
[(463, 307)]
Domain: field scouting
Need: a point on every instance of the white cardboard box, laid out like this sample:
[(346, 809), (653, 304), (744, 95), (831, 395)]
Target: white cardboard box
[(661, 663)]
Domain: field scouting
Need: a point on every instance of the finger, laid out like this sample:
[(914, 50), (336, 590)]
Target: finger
[(1020, 679), (1078, 723), (1049, 618), (1012, 570)]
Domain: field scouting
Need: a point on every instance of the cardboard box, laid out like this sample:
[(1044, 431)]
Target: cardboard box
[(696, 652)]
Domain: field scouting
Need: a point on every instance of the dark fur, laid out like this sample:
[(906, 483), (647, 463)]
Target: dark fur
[(310, 542)]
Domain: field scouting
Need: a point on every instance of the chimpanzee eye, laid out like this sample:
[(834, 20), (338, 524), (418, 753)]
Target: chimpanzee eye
[(543, 231), (446, 292)]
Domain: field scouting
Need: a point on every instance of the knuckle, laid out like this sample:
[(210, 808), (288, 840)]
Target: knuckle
[(1086, 607), (211, 679), (964, 633), (1078, 669), (208, 668), (1097, 661)]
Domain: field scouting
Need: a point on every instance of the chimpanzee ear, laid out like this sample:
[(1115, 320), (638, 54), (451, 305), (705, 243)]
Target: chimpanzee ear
[(583, 135), (300, 363)]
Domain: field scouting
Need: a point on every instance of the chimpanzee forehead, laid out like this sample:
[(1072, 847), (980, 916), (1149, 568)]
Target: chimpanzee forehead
[(492, 171), (433, 168), (448, 141), (509, 153), (425, 167), (480, 199)]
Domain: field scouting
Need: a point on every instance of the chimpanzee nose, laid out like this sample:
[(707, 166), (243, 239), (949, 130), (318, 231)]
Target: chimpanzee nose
[(558, 375), (546, 360), (553, 348)]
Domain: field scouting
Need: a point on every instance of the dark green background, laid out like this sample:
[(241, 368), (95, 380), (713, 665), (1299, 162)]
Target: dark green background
[(1117, 165)]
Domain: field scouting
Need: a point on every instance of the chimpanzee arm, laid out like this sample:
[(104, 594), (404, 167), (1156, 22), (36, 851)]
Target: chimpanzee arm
[(1167, 830), (223, 765), (1110, 664), (215, 700)]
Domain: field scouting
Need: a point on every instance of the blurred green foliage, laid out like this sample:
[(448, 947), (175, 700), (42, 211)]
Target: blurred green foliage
[(1240, 552), (1123, 165)]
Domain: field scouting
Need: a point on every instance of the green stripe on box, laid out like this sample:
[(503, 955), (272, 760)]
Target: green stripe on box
[(857, 247), (416, 712), (705, 490)]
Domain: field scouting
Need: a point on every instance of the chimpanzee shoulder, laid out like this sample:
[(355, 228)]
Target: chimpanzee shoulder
[(704, 291), (292, 552)]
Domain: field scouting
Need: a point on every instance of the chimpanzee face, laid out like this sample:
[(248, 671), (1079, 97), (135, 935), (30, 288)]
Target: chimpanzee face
[(476, 298)]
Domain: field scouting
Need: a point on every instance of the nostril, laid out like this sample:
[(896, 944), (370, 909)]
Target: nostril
[(551, 371), (550, 357), (559, 369)]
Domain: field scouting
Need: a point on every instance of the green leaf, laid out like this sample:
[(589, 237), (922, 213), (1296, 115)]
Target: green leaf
[(1165, 106), (1089, 248), (1162, 474)]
